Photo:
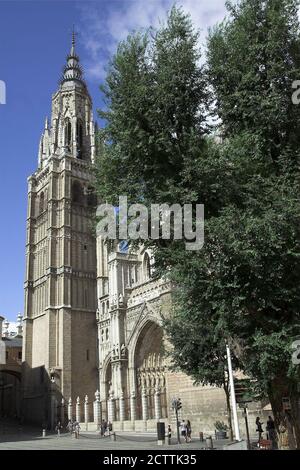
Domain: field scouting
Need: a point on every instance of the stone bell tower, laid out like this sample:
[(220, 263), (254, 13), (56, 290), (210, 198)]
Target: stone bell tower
[(60, 335)]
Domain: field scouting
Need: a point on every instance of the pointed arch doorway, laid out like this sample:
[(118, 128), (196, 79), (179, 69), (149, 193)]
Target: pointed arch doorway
[(150, 369)]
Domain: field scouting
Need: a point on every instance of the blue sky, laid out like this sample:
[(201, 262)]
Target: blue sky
[(34, 41)]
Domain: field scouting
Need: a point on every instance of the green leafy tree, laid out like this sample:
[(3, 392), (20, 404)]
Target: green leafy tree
[(199, 352), (157, 100), (156, 97), (243, 284), (253, 88)]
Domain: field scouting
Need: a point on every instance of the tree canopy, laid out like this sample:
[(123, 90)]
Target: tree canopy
[(158, 146)]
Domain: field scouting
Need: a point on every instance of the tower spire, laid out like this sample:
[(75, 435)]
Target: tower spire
[(72, 53), (72, 71)]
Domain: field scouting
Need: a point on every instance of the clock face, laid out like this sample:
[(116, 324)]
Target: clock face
[(123, 246)]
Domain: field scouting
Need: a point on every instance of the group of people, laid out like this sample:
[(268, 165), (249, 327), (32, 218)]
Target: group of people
[(105, 428), (186, 430), (270, 428), (74, 428)]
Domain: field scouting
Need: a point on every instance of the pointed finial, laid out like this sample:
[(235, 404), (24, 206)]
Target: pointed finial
[(6, 326), (73, 42), (73, 36), (46, 123), (19, 324)]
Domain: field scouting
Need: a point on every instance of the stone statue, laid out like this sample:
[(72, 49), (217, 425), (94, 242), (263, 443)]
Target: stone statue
[(123, 350)]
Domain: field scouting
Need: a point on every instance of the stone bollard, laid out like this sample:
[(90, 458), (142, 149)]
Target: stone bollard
[(62, 412), (209, 442), (201, 436), (78, 410), (86, 412), (113, 436), (44, 433), (70, 410), (97, 410)]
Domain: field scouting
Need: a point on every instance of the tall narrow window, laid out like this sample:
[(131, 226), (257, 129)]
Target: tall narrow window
[(91, 197), (146, 267), (42, 202), (77, 193), (79, 139), (68, 134)]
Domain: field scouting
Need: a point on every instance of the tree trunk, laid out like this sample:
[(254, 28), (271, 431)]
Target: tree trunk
[(286, 421), (229, 411)]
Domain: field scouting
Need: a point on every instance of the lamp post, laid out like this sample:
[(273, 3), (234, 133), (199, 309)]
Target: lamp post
[(177, 405), (232, 396)]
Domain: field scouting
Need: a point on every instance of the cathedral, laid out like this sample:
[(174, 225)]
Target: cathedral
[(92, 320)]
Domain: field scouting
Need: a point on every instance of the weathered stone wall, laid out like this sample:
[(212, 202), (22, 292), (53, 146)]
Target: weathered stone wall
[(204, 405)]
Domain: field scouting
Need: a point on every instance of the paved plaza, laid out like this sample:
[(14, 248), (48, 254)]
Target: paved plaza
[(15, 437)]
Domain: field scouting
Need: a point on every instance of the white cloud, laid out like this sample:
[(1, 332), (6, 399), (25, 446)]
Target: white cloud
[(104, 24)]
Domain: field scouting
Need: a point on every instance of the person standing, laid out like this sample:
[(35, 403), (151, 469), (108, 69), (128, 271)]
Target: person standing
[(188, 431), (169, 433), (259, 429), (104, 427), (70, 427), (58, 428), (271, 432), (183, 429), (109, 426), (77, 429)]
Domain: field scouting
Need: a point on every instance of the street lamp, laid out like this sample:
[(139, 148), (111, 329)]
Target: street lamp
[(232, 395), (177, 405)]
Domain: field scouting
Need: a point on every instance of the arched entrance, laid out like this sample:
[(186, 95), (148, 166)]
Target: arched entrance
[(107, 388), (10, 393), (150, 369)]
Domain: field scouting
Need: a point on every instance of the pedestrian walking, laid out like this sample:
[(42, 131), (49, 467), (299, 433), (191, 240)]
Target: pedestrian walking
[(77, 429), (104, 426), (169, 434), (188, 431), (109, 426), (58, 428), (183, 429), (271, 432), (259, 429), (70, 427)]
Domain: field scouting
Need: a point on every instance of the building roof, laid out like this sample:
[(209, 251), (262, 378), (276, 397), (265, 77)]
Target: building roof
[(13, 341)]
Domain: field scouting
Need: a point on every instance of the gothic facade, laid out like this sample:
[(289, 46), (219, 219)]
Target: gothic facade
[(59, 351), (132, 367), (92, 318)]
